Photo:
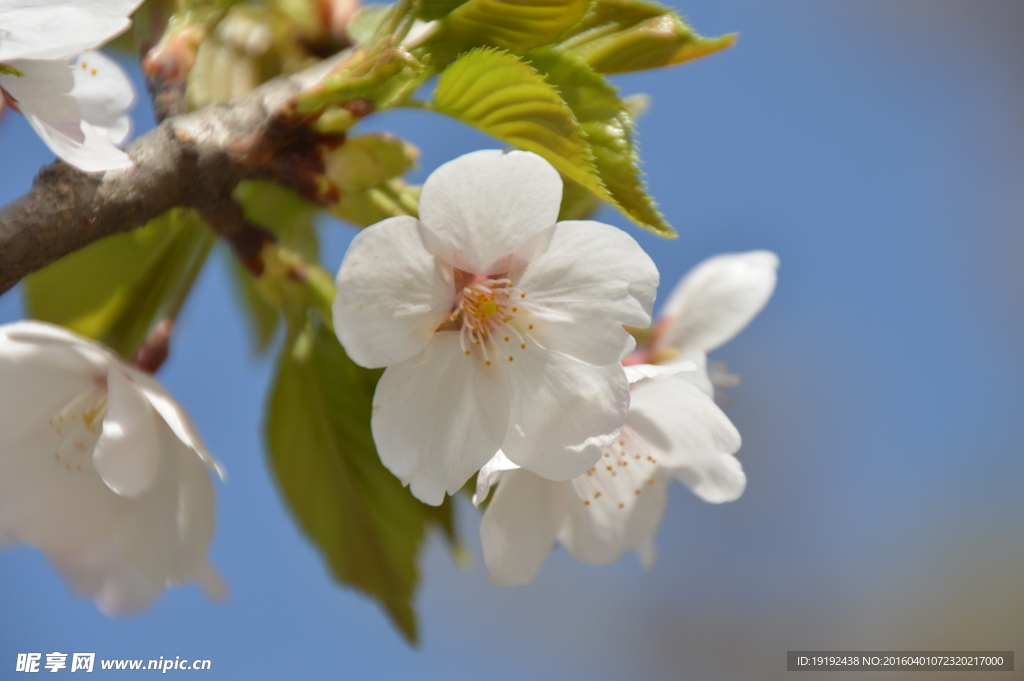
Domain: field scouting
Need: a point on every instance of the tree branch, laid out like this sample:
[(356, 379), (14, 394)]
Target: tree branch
[(194, 160)]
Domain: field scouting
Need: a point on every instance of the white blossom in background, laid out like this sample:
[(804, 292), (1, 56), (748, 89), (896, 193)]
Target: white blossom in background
[(499, 328), (707, 308), (101, 470), (674, 430), (75, 100)]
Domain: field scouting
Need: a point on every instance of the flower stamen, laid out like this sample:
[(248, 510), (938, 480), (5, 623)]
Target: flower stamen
[(484, 314)]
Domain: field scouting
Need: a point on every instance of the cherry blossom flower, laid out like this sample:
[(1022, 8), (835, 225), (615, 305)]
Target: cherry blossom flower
[(77, 103), (672, 430), (101, 470), (499, 328)]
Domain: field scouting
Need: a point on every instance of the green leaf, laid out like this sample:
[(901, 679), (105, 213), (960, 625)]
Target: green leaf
[(578, 202), (617, 36), (381, 78), (500, 94), (6, 70), (517, 25), (608, 130), (431, 10), (368, 527), (364, 178), (116, 289), (292, 220)]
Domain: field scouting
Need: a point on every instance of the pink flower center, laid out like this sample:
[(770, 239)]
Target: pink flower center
[(489, 314)]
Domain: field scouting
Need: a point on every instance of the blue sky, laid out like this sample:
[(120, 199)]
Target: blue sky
[(877, 146)]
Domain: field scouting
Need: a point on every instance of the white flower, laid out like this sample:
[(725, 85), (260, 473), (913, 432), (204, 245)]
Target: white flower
[(77, 107), (101, 470), (500, 328), (672, 430), (708, 307)]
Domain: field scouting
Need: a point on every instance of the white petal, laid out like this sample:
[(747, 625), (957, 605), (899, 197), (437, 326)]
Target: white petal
[(648, 553), (392, 294), (105, 94), (128, 452), (482, 206), (50, 495), (55, 29), (717, 298), (176, 418), (54, 504), (439, 417), (36, 382), (43, 96), (591, 535), (170, 527), (102, 572), (690, 436), (520, 525), (646, 517), (638, 372), (96, 154), (562, 411), (489, 475), (699, 376), (619, 503), (592, 279), (43, 333)]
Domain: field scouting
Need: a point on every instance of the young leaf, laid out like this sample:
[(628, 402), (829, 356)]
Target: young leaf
[(500, 94), (115, 289), (617, 36), (608, 129), (364, 172), (517, 25), (368, 527)]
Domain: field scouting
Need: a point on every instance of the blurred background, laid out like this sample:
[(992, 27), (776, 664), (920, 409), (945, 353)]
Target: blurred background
[(878, 147)]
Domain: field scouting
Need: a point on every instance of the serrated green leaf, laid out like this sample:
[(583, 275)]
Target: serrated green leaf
[(517, 25), (618, 36), (115, 289), (292, 220), (608, 130), (368, 527), (500, 94)]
